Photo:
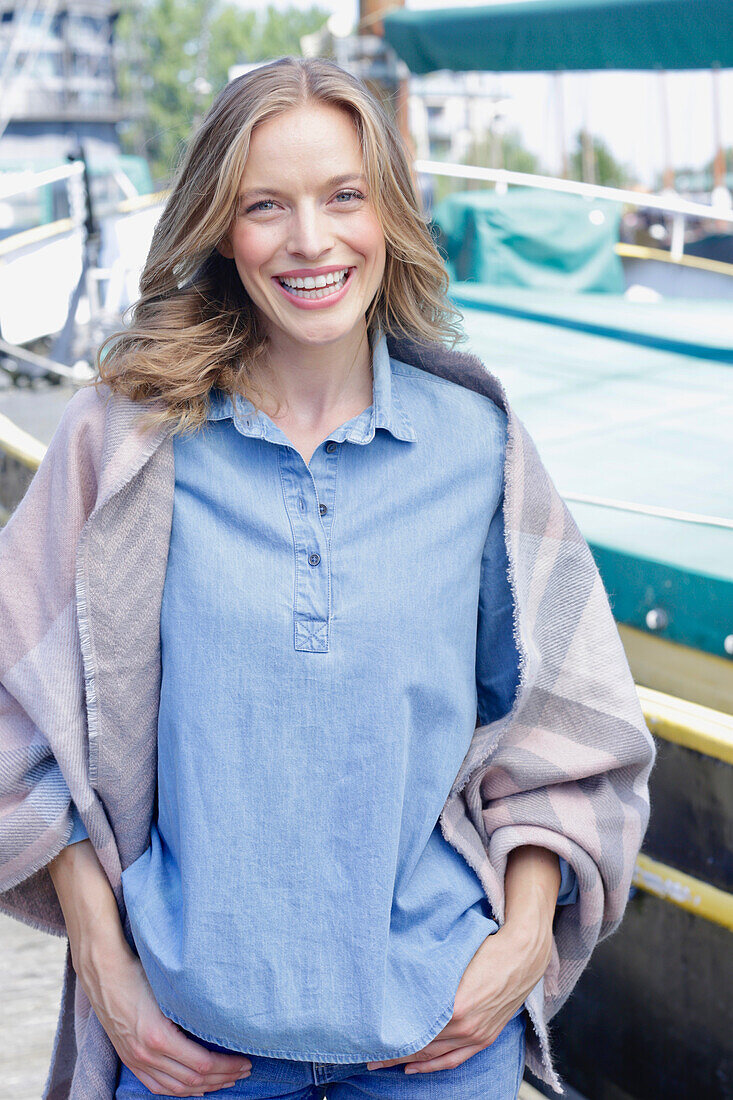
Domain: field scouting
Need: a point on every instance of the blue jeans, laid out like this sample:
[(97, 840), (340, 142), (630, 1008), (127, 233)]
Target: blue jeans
[(494, 1073)]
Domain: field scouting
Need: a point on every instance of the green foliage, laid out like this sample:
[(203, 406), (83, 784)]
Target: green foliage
[(174, 57), (608, 171), (490, 151), (702, 177), (503, 151)]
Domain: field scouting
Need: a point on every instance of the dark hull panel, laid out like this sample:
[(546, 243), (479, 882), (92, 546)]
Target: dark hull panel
[(652, 1016), (691, 824)]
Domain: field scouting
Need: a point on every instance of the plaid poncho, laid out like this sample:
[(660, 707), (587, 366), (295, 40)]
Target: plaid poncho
[(82, 566)]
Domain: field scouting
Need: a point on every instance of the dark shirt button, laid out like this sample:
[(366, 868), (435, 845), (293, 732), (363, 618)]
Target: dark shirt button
[(322, 509), (331, 446), (314, 559)]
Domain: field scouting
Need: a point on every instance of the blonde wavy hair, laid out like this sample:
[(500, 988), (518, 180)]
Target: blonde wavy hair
[(194, 327)]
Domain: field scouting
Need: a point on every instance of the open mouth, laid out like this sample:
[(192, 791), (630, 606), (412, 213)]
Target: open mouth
[(310, 288)]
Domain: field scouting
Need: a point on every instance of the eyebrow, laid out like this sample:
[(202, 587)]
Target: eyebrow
[(335, 181)]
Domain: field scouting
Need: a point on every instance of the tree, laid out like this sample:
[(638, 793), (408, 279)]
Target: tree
[(175, 56), (503, 150), (498, 150), (608, 172)]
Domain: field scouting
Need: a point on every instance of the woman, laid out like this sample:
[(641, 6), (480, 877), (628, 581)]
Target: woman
[(390, 780)]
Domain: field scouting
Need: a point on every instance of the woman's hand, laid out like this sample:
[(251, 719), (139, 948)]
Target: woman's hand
[(504, 970), (152, 1046), (111, 974), (493, 986)]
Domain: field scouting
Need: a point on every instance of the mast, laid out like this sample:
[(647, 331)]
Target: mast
[(560, 114), (720, 193), (370, 23)]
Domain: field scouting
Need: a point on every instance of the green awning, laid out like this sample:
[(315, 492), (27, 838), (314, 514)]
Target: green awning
[(549, 35)]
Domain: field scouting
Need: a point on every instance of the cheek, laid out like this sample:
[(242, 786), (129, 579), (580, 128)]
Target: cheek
[(252, 247), (370, 242)]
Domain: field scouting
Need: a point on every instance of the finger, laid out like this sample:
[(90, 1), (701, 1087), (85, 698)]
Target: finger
[(171, 1086), (202, 1069), (432, 1050), (189, 1075), (183, 1055), (446, 1061), (196, 1056)]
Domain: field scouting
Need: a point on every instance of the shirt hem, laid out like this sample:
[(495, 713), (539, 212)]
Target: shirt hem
[(378, 1055)]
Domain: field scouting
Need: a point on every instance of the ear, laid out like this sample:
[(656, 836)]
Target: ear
[(225, 248)]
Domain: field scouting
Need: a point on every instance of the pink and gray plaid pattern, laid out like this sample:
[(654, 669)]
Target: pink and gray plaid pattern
[(82, 565)]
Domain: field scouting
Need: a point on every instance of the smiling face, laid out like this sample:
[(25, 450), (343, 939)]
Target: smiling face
[(306, 240)]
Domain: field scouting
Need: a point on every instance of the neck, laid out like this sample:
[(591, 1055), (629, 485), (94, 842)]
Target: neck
[(312, 383)]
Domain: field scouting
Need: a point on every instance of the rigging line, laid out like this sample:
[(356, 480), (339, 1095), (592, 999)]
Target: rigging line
[(651, 510)]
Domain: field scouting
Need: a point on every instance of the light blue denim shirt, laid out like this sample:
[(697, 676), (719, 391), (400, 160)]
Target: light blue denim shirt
[(329, 633)]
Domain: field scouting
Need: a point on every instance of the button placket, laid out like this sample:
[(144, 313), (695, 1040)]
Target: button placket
[(312, 593), (324, 465)]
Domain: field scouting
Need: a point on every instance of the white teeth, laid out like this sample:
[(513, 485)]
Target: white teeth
[(309, 282), (319, 286)]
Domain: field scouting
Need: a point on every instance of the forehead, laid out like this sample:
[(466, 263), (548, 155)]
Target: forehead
[(316, 136)]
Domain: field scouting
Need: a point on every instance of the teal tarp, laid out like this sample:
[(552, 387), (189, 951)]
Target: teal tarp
[(531, 239), (548, 35)]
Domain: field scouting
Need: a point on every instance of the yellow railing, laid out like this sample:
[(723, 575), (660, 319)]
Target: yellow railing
[(20, 445), (643, 252), (683, 890), (700, 728), (64, 225)]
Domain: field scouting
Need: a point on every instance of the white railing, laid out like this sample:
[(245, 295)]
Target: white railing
[(18, 183), (678, 207)]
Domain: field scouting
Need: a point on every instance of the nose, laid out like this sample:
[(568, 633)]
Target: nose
[(311, 234)]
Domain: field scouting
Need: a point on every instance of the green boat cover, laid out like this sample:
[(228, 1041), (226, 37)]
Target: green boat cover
[(549, 35), (635, 428), (531, 238)]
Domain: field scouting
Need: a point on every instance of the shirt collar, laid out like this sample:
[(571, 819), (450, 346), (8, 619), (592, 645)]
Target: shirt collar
[(386, 411)]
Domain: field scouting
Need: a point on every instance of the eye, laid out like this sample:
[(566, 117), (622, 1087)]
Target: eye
[(349, 195), (259, 205)]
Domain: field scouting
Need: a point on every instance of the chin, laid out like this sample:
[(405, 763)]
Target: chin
[(317, 330)]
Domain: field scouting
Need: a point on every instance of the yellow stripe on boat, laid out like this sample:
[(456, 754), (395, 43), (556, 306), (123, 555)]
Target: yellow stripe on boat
[(695, 727), (643, 252), (684, 890)]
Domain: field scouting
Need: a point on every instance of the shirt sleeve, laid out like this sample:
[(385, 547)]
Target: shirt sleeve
[(497, 658), (78, 829), (568, 892)]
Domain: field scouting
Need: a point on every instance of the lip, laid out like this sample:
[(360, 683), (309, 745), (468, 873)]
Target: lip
[(303, 272), (317, 303)]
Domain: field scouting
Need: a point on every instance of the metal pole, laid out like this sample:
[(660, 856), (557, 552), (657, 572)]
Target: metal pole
[(559, 104), (720, 188), (370, 22), (668, 180), (719, 163)]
